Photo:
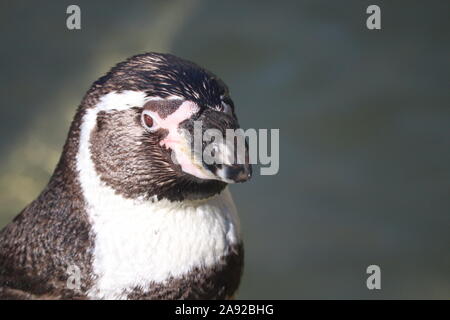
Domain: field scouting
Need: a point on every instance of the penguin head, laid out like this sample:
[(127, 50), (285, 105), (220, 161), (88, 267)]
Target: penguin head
[(157, 125)]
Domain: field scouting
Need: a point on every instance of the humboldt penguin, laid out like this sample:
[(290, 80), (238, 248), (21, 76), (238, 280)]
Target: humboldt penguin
[(132, 210)]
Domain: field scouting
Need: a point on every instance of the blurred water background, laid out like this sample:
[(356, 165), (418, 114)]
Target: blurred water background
[(364, 119)]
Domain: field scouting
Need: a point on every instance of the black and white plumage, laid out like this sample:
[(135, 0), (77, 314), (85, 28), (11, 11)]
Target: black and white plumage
[(136, 223)]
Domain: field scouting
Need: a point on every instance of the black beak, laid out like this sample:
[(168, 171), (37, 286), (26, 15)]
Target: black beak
[(235, 165)]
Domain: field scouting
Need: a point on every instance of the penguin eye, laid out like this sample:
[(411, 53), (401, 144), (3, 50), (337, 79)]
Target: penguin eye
[(148, 121)]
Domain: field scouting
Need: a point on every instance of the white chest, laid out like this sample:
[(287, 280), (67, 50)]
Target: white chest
[(140, 242), (137, 243)]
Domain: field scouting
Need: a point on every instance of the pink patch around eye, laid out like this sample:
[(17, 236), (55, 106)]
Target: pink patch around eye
[(172, 121), (176, 141)]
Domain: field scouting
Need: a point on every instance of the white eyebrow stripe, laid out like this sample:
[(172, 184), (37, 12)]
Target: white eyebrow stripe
[(156, 98), (174, 97), (153, 99), (128, 99), (121, 100)]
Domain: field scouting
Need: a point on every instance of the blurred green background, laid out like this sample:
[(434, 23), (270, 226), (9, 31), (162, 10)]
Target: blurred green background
[(364, 119)]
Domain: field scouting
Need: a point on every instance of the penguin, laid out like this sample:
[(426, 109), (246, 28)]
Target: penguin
[(132, 211)]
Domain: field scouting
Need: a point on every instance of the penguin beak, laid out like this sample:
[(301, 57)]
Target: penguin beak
[(222, 167), (228, 170), (202, 148), (227, 159)]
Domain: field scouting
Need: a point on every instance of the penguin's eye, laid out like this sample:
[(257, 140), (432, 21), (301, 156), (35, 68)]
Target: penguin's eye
[(148, 121)]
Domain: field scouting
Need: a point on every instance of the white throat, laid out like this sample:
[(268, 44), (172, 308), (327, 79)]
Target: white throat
[(138, 242)]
